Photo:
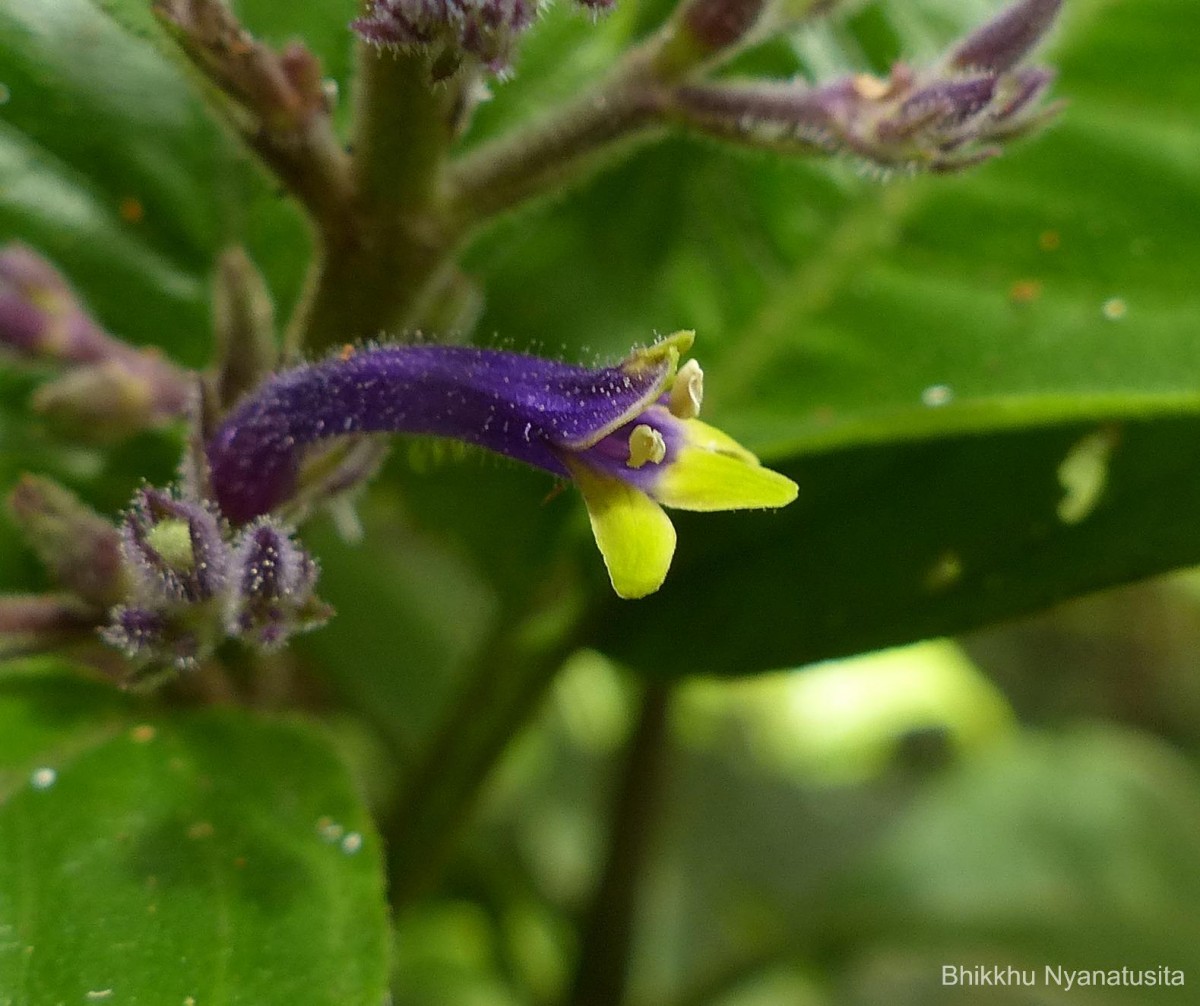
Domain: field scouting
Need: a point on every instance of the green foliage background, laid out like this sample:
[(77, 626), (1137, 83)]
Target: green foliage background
[(921, 356)]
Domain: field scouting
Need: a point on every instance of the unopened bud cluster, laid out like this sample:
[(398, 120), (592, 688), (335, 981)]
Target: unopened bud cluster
[(453, 30), (948, 117), (194, 583)]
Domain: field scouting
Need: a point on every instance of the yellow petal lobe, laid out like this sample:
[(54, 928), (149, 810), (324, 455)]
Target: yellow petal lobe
[(714, 472), (632, 532)]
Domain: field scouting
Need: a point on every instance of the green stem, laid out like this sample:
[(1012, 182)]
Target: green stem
[(496, 703), (378, 262), (572, 142), (564, 147), (602, 972)]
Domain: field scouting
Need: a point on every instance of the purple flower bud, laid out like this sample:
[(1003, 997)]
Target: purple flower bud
[(40, 315), (115, 389), (191, 588), (1001, 43), (175, 549), (135, 631), (719, 24), (150, 637), (951, 102), (274, 579), (485, 29)]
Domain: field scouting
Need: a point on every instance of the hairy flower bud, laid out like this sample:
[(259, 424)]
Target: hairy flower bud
[(449, 29), (273, 595), (192, 584), (79, 548), (174, 548), (1005, 40)]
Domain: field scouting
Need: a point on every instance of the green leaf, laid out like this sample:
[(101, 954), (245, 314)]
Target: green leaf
[(208, 857), (111, 166), (985, 385)]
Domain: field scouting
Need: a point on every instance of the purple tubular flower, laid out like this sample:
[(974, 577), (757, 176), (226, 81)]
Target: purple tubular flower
[(627, 435), (521, 406)]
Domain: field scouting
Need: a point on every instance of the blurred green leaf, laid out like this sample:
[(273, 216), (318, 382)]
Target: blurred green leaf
[(1075, 850), (111, 166), (207, 856)]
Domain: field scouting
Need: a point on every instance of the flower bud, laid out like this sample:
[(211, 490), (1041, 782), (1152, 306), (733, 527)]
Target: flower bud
[(446, 29), (719, 24), (283, 90), (115, 389), (945, 118), (100, 403), (244, 319), (150, 637), (1005, 40), (39, 314), (274, 580), (79, 548), (174, 549)]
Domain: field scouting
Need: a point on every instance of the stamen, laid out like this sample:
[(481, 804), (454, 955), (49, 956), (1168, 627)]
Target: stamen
[(687, 392), (646, 444)]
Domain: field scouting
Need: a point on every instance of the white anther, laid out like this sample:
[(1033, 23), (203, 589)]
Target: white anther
[(687, 393)]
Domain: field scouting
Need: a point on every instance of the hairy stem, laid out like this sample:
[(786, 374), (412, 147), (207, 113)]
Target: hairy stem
[(602, 971), (566, 145), (378, 262), (633, 102)]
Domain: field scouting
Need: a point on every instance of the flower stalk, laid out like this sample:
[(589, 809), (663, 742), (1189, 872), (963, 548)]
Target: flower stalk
[(277, 102)]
